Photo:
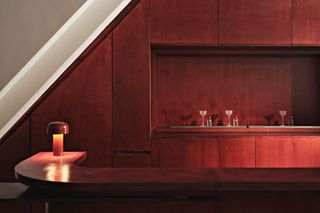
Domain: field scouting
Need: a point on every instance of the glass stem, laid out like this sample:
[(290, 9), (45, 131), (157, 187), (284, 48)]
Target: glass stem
[(202, 121)]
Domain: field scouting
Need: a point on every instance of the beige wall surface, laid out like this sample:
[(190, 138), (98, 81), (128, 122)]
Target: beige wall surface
[(25, 26)]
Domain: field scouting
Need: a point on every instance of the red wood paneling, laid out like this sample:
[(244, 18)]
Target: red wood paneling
[(184, 21), (288, 151), (237, 152), (306, 151), (184, 152), (122, 160), (306, 19), (14, 149), (251, 86), (131, 81), (255, 22), (84, 100), (274, 151)]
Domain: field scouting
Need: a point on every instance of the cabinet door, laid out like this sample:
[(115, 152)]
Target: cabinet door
[(237, 152), (131, 81), (274, 152), (184, 152), (306, 151), (184, 21), (296, 151), (306, 18), (255, 22)]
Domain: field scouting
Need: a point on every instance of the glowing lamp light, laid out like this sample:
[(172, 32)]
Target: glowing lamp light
[(57, 130)]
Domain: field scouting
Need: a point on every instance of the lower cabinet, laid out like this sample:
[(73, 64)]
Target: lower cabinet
[(292, 151), (184, 152), (237, 152)]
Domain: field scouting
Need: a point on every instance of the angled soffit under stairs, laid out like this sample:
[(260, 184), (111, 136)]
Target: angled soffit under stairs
[(36, 77)]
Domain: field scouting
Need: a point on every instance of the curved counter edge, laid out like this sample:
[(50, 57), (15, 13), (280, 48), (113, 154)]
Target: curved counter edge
[(64, 174)]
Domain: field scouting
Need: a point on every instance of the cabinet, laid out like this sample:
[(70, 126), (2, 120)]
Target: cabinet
[(131, 81), (237, 152), (184, 152), (255, 22), (306, 18), (184, 21), (280, 151)]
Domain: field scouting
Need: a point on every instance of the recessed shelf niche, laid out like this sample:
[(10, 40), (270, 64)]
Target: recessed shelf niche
[(252, 81)]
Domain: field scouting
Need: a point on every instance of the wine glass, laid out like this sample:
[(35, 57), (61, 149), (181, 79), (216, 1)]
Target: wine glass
[(282, 113), (203, 113), (229, 113)]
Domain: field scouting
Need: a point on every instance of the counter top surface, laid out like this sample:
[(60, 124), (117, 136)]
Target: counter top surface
[(45, 171)]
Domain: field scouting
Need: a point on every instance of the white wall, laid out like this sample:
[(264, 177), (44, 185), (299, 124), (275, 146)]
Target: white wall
[(26, 25)]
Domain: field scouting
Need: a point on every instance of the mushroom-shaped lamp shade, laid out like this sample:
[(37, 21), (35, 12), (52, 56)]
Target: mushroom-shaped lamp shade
[(57, 129)]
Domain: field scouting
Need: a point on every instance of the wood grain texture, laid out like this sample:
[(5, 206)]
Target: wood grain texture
[(184, 152), (306, 18), (255, 22), (84, 101), (131, 81), (123, 160), (276, 152), (13, 150), (237, 152), (64, 175), (252, 86), (184, 21)]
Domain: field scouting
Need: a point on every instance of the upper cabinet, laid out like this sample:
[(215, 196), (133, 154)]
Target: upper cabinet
[(306, 19), (255, 22), (184, 21)]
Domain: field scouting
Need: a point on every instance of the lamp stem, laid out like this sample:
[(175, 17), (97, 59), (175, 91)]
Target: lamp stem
[(57, 144)]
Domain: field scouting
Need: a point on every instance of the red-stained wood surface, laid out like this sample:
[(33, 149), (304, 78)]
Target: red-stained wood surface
[(84, 101), (276, 152), (237, 152), (255, 22), (131, 81), (306, 18), (14, 149), (63, 174), (133, 206), (131, 160), (252, 86), (184, 21), (184, 152)]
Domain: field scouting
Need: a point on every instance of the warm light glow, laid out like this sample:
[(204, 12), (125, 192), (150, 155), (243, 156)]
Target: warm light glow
[(58, 172), (57, 144)]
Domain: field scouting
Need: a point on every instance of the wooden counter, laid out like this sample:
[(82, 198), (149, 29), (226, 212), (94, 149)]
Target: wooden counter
[(44, 171)]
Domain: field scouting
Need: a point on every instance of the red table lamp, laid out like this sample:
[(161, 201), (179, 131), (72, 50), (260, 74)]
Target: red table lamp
[(57, 129)]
